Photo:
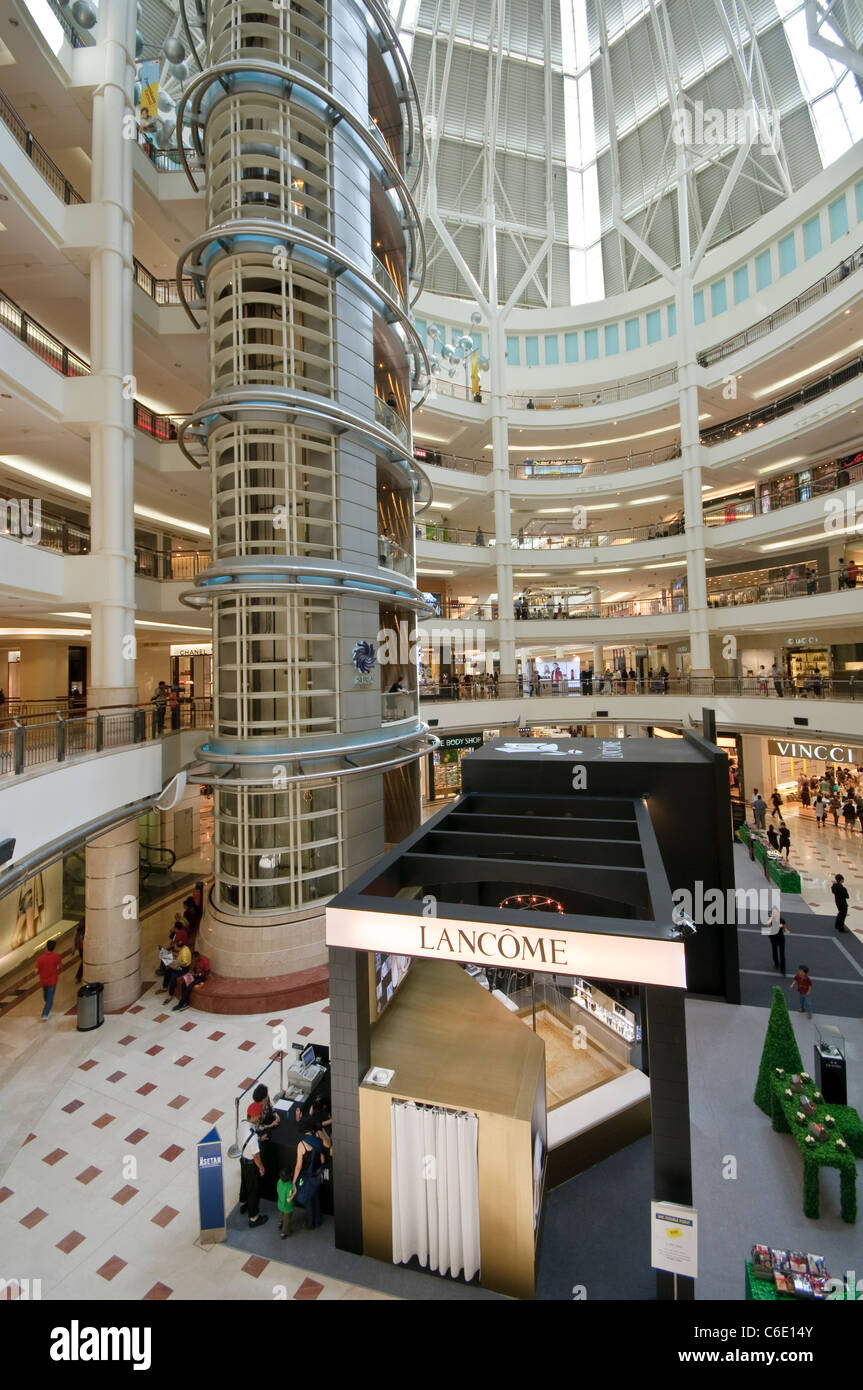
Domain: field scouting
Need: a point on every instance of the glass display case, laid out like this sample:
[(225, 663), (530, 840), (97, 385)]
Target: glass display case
[(607, 1010)]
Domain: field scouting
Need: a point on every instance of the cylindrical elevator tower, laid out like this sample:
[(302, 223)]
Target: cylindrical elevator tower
[(305, 122)]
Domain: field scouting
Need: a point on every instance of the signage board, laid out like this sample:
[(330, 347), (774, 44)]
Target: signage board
[(211, 1189), (674, 1238), (461, 740), (651, 961), (825, 752)]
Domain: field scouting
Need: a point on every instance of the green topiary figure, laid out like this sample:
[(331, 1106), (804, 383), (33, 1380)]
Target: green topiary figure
[(780, 1050)]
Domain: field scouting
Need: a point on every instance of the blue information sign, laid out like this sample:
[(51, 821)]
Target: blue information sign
[(211, 1192)]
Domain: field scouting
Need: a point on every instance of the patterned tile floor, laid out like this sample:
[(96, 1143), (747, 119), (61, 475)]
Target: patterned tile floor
[(819, 854), (98, 1191)]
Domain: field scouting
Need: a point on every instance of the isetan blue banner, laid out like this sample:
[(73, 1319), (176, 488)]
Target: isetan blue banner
[(211, 1191)]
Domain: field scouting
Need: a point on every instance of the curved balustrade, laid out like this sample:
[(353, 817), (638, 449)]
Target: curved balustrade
[(392, 556), (756, 419), (70, 538), (388, 283), (24, 746), (512, 688), (392, 421), (781, 316), (804, 585), (553, 467)]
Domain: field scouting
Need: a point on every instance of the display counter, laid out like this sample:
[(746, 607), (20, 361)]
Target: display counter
[(786, 879)]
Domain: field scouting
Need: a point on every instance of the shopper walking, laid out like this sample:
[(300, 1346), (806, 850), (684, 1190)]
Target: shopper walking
[(307, 1181), (849, 812), (835, 808), (803, 984), (776, 801), (48, 970), (805, 796), (784, 840), (251, 1168), (159, 702), (840, 897), (776, 676), (759, 809), (776, 930), (819, 806)]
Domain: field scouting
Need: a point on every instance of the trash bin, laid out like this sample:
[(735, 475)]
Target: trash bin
[(830, 1073), (90, 1007)]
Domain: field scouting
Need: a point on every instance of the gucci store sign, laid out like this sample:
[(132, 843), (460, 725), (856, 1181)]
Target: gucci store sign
[(591, 954), (823, 752)]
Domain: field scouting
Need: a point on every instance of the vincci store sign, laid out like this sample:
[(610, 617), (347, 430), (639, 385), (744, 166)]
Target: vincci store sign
[(822, 752), (590, 954)]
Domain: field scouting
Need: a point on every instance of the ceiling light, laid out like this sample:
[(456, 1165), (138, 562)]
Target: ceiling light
[(807, 371), (785, 463), (806, 540), (641, 501), (598, 573), (20, 464), (588, 443), (666, 565), (438, 574)]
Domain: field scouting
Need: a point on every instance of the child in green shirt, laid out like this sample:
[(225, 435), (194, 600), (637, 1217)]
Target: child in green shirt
[(285, 1194)]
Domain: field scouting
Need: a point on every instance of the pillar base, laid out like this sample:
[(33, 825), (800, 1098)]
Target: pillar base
[(106, 697), (224, 994)]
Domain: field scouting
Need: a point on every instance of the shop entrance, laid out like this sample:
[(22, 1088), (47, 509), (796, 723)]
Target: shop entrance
[(77, 677), (802, 665)]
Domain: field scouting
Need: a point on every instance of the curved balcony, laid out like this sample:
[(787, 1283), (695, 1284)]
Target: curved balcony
[(399, 704), (756, 419), (392, 556), (28, 745), (385, 281), (848, 688), (792, 585), (387, 416), (551, 468)]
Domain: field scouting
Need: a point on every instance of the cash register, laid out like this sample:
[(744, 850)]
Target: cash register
[(303, 1075)]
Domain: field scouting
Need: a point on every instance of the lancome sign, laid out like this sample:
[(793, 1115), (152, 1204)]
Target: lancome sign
[(658, 961), (823, 752)]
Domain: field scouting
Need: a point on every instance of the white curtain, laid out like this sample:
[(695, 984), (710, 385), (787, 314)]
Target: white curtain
[(435, 1188)]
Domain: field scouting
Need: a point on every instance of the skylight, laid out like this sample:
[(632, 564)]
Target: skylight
[(830, 89), (586, 280)]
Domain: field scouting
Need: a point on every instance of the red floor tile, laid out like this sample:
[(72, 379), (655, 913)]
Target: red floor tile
[(70, 1242), (116, 1076), (245, 1083), (164, 1217), (187, 1027), (304, 1032), (178, 1102), (124, 1195), (173, 1151), (160, 1018), (245, 1046), (255, 1265), (136, 1009), (136, 1136), (72, 1107), (308, 1290), (124, 1042), (273, 1022), (157, 1292), (88, 1175), (29, 1139), (54, 1156), (215, 1071), (146, 1088), (154, 1050), (85, 1066), (5, 1192), (183, 1061), (102, 1121), (326, 1010), (214, 1037), (33, 1218), (212, 1116), (111, 1268)]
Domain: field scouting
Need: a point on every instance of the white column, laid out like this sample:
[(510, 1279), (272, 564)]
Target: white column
[(598, 660), (112, 666), (690, 447), (112, 941)]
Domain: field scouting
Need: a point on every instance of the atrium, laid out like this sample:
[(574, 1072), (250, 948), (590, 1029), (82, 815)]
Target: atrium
[(431, 650)]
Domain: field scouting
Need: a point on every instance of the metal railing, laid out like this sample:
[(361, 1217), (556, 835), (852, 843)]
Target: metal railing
[(780, 316), (24, 746), (392, 556), (72, 34), (614, 684), (568, 540), (166, 161), (42, 161), (599, 395), (399, 704), (389, 417), (72, 538), (804, 585), (554, 467), (388, 282), (730, 429), (162, 291)]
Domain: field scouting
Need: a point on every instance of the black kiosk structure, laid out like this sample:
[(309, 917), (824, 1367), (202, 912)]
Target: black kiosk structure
[(561, 860)]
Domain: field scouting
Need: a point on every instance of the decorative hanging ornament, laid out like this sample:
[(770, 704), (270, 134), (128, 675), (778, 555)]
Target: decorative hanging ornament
[(83, 14), (174, 49), (139, 43), (180, 72)]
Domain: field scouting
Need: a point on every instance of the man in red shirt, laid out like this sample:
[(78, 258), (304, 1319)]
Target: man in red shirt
[(48, 966)]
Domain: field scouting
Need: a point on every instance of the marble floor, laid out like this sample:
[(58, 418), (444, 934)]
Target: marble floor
[(819, 854), (98, 1189)]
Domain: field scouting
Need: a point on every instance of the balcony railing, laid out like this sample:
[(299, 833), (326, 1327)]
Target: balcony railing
[(24, 746), (563, 606), (71, 538), (392, 556), (387, 416), (802, 584), (42, 161), (554, 467), (569, 540), (399, 704), (614, 684), (388, 282), (788, 311), (600, 395), (162, 291), (730, 429)]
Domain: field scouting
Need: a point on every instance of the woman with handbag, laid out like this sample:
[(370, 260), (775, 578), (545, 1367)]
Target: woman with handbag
[(307, 1181), (776, 929)]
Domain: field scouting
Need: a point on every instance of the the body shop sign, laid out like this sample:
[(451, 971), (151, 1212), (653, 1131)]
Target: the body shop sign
[(592, 954)]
